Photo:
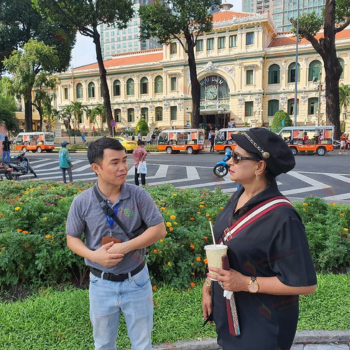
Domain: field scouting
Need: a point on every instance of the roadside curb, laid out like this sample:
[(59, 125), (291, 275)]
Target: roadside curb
[(302, 337)]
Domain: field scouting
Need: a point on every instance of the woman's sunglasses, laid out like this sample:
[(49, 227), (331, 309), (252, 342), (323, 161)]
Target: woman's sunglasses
[(236, 157)]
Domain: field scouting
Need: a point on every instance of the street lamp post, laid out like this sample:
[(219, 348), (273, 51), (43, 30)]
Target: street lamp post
[(319, 99), (296, 70), (73, 118)]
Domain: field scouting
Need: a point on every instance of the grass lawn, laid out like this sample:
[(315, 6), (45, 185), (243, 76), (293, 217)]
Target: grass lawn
[(56, 320)]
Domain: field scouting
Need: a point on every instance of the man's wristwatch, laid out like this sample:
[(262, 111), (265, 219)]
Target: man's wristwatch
[(253, 286)]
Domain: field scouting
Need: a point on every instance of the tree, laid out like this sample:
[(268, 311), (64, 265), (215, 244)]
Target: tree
[(25, 65), (44, 86), (8, 113), (280, 120), (93, 113), (336, 17), (170, 20), (344, 97), (142, 127), (76, 109), (19, 22), (86, 16)]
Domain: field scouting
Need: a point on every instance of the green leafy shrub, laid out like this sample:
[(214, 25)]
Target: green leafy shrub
[(33, 241), (327, 229)]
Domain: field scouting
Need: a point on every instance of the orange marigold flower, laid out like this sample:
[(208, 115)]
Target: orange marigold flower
[(48, 236), (162, 208), (205, 238), (205, 261), (171, 229), (25, 232), (201, 206), (3, 248), (17, 208), (154, 288), (198, 212), (210, 219), (19, 230), (1, 214), (207, 215), (192, 284), (169, 263), (191, 219), (198, 258), (221, 208), (341, 214), (172, 217), (168, 224), (192, 273), (192, 245), (161, 241), (175, 223), (155, 250), (192, 264)]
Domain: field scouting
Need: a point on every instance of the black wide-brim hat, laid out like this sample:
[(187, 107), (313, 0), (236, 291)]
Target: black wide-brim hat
[(269, 147)]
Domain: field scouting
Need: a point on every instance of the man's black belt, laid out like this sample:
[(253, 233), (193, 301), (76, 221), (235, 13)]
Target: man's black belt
[(116, 278)]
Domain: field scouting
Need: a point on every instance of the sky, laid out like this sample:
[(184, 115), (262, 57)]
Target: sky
[(84, 51)]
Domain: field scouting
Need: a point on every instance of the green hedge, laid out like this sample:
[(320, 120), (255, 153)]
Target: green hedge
[(33, 243)]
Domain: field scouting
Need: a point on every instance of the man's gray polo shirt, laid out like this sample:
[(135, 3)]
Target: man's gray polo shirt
[(86, 216)]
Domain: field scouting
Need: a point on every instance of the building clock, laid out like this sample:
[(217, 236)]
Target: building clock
[(211, 92)]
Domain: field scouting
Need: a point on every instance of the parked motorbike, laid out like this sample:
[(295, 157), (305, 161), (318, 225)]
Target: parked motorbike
[(21, 166), (221, 168), (336, 144)]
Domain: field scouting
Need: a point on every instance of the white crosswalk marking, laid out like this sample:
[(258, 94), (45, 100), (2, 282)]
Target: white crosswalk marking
[(192, 174), (58, 168)]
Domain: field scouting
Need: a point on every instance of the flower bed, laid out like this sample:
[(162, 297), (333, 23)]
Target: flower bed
[(33, 243)]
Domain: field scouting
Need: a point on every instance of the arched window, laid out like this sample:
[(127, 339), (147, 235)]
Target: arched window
[(144, 86), (144, 113), (274, 74), (91, 89), (341, 61), (116, 88), (131, 115), (158, 84), (130, 87), (291, 106), (313, 105), (79, 90), (314, 70), (273, 107), (291, 73), (117, 115), (159, 114)]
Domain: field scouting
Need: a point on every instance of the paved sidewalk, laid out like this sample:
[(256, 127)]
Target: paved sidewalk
[(304, 340)]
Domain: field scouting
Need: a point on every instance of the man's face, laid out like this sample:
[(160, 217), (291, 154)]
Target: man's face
[(113, 168)]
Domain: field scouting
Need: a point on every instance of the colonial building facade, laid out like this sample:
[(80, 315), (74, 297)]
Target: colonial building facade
[(246, 71)]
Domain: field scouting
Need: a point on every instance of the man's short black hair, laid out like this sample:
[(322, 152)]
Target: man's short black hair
[(140, 143), (96, 149)]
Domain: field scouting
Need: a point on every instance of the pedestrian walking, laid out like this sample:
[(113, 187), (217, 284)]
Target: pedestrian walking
[(65, 162), (139, 155), (119, 278), (139, 136), (266, 269), (6, 150), (212, 140), (343, 139), (153, 138)]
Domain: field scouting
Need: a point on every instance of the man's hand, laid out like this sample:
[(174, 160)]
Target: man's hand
[(105, 258), (117, 248)]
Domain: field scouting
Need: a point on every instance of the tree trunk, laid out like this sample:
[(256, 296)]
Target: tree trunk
[(104, 85), (332, 68), (28, 112), (195, 88)]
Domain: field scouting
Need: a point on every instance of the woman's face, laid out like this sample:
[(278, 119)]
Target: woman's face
[(244, 171)]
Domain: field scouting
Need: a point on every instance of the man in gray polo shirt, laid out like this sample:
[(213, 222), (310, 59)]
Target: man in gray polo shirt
[(119, 279)]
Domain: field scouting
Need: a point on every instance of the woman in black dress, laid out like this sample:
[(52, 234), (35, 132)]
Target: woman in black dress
[(268, 253)]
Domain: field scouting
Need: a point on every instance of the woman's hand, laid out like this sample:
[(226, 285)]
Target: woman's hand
[(206, 301), (231, 280)]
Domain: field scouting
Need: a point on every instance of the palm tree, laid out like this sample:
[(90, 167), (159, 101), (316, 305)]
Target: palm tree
[(93, 113), (344, 97)]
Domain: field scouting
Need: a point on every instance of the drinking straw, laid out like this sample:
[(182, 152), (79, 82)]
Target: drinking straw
[(212, 233)]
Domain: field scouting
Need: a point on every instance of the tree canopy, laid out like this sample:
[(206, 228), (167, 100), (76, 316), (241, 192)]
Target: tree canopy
[(19, 22), (85, 16), (335, 18), (142, 126), (183, 21), (25, 66)]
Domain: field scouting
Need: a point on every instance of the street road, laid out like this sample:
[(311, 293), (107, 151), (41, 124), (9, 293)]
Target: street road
[(327, 177)]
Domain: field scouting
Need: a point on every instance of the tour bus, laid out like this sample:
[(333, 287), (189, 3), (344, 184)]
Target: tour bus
[(223, 140), (176, 140), (309, 139), (35, 141)]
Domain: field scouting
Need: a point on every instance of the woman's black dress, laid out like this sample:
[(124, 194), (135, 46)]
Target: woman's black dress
[(273, 245)]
